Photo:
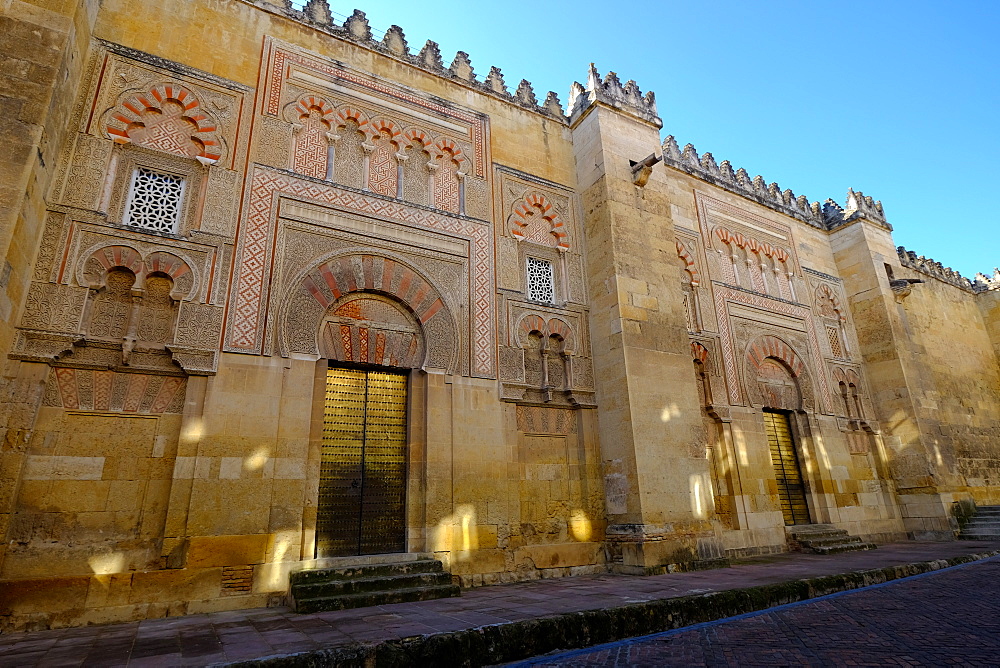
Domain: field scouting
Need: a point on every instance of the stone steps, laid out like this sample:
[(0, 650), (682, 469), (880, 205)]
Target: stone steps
[(825, 539), (984, 525), (363, 585)]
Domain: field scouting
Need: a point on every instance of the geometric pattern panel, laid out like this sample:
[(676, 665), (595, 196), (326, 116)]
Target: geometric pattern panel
[(111, 392), (372, 330)]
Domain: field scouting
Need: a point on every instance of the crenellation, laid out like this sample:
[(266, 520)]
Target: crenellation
[(318, 11), (708, 164), (357, 26), (430, 56), (553, 106), (317, 14), (461, 67), (861, 206), (690, 156), (495, 82), (926, 265), (671, 150), (525, 94), (984, 282), (828, 215), (610, 91), (395, 42)]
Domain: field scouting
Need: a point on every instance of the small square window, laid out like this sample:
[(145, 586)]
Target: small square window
[(834, 335), (154, 201), (541, 283)]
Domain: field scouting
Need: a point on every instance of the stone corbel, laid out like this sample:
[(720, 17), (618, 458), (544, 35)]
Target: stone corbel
[(128, 345), (719, 413), (42, 346), (902, 287), (195, 361)]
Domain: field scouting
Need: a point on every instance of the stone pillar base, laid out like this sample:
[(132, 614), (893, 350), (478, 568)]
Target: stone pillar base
[(928, 516), (644, 549)]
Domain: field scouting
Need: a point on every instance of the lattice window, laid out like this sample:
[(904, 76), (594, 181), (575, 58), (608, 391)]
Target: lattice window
[(154, 200), (834, 336), (541, 281)]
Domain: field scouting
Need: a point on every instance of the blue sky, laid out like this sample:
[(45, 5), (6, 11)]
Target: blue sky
[(897, 99)]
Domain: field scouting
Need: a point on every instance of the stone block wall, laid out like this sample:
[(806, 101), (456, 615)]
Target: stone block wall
[(360, 202)]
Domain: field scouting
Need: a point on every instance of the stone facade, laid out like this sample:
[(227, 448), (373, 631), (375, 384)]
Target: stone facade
[(591, 339)]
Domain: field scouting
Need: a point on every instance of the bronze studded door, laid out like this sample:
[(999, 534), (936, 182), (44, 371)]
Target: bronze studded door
[(363, 469), (791, 489)]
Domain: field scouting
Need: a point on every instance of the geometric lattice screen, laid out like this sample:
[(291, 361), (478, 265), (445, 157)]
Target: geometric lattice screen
[(541, 283), (154, 201)]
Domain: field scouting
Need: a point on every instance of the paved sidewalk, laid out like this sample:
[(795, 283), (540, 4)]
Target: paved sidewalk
[(944, 618), (271, 632)]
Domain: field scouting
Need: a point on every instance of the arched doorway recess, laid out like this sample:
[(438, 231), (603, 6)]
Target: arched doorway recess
[(775, 385)]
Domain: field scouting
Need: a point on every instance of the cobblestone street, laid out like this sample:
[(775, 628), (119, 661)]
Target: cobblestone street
[(947, 618)]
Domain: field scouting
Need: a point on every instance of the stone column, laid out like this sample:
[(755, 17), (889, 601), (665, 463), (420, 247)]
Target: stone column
[(653, 441)]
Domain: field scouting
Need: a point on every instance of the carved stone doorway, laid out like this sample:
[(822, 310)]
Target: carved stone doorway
[(362, 489), (791, 489)]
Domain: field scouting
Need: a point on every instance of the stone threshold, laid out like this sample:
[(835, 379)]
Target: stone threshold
[(523, 639)]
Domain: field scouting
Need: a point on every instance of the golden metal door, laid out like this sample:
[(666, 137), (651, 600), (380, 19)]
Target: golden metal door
[(363, 469), (791, 489)]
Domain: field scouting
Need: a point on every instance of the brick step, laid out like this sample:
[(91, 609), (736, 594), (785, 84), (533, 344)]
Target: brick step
[(319, 575), (979, 532), (853, 540), (994, 530), (984, 525), (845, 547), (819, 533), (339, 587), (826, 539), (367, 599)]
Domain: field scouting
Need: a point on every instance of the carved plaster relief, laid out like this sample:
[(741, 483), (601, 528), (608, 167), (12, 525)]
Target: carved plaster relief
[(540, 219), (369, 308), (134, 100), (310, 235), (769, 313), (107, 391), (121, 299), (360, 132), (251, 289)]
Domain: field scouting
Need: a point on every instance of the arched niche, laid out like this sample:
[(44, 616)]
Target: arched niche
[(366, 328), (776, 376), (333, 303)]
